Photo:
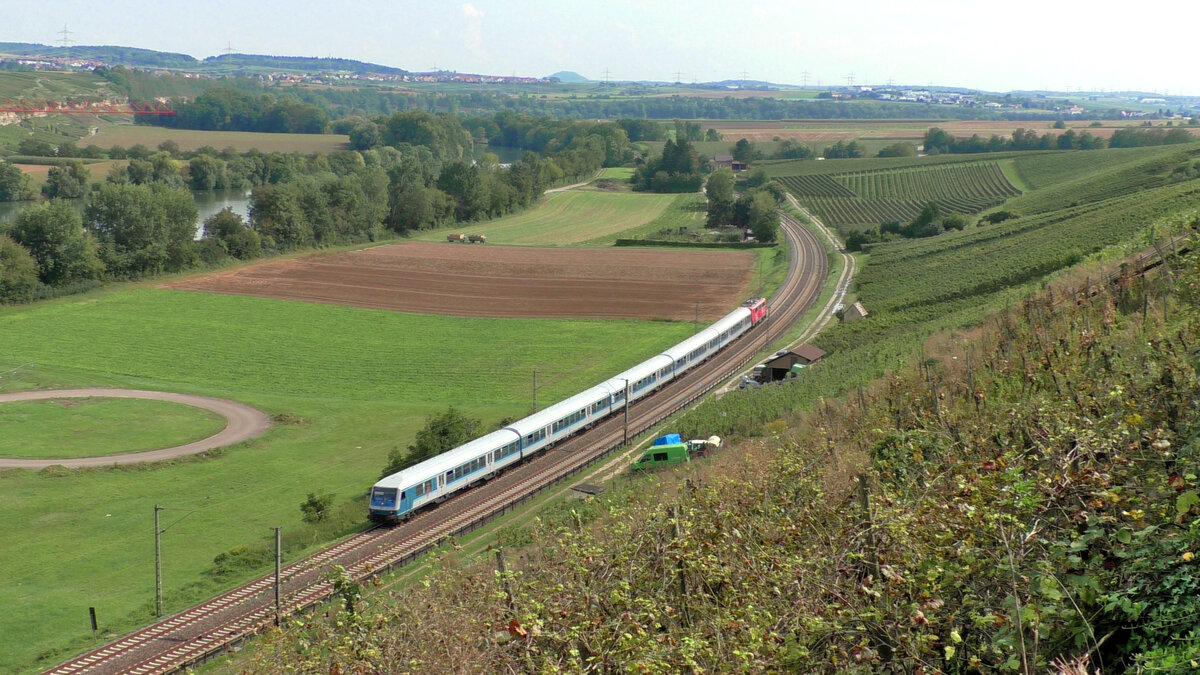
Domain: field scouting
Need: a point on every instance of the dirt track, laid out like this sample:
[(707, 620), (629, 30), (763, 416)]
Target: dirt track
[(499, 281), (243, 423)]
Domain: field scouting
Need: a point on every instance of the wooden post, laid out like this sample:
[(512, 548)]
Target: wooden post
[(679, 571), (864, 501), (512, 604)]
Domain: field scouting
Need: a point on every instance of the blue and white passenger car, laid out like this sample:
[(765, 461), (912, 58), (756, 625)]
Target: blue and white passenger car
[(397, 496)]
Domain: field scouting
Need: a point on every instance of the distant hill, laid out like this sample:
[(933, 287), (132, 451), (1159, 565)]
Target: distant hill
[(149, 58), (300, 63), (128, 56), (569, 76)]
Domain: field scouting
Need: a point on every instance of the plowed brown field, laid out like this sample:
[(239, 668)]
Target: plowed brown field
[(496, 281)]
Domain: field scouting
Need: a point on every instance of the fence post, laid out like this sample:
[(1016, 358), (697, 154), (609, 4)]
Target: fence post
[(864, 502)]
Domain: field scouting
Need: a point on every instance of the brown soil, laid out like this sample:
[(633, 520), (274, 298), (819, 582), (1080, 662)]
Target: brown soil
[(496, 281)]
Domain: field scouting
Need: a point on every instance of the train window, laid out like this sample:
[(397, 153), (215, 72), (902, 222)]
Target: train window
[(418, 491), (403, 496)]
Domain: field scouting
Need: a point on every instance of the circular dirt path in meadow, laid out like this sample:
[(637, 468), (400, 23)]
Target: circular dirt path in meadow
[(242, 423)]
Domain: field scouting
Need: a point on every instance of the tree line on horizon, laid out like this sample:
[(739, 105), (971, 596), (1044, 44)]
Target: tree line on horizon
[(140, 221)]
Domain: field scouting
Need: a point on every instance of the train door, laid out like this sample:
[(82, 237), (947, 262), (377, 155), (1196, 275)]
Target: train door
[(406, 500)]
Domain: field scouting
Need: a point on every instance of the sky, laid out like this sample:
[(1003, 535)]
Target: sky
[(1062, 45)]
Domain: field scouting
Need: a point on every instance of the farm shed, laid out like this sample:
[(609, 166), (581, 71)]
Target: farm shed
[(723, 161), (854, 313), (781, 366)]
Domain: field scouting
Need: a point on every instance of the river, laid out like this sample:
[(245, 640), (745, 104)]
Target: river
[(207, 204)]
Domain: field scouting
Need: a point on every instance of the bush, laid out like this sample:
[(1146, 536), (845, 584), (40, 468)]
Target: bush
[(316, 507)]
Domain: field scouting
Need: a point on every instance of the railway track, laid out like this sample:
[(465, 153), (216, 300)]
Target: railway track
[(211, 628)]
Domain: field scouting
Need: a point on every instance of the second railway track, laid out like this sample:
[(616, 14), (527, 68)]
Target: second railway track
[(194, 635)]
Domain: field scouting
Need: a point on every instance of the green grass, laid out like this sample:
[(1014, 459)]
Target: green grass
[(89, 427), (571, 217), (33, 86), (868, 197), (1092, 176), (686, 211), (616, 173), (348, 386), (808, 167), (913, 288)]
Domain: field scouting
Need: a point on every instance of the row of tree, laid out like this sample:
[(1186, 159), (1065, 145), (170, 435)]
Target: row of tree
[(932, 221), (141, 220), (225, 108), (940, 141), (679, 168), (126, 231), (756, 208)]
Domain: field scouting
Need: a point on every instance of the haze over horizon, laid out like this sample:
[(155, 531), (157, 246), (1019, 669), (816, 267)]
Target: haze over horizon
[(1022, 45)]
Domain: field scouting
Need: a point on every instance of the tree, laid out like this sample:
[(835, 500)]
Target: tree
[(844, 150), (14, 183), (441, 432), (744, 151), (720, 198), (757, 178), (901, 149), (790, 149), (67, 182), (18, 272), (207, 173), (237, 239), (763, 217), (276, 215), (464, 184), (712, 135), (34, 147), (315, 508), (143, 229), (54, 235), (938, 140), (676, 170)]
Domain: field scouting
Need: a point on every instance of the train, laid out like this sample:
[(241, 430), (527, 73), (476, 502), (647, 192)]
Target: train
[(398, 496)]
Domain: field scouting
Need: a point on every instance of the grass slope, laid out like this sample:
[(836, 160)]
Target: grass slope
[(89, 427), (915, 287), (865, 198), (1020, 513), (571, 217), (346, 386)]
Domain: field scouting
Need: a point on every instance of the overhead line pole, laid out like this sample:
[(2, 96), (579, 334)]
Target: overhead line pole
[(278, 561), (157, 564)]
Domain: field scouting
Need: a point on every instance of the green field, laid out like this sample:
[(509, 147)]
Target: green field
[(346, 386), (129, 134), (89, 427), (42, 85), (571, 217), (916, 287), (866, 198)]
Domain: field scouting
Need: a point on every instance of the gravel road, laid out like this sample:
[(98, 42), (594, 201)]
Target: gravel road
[(242, 424)]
